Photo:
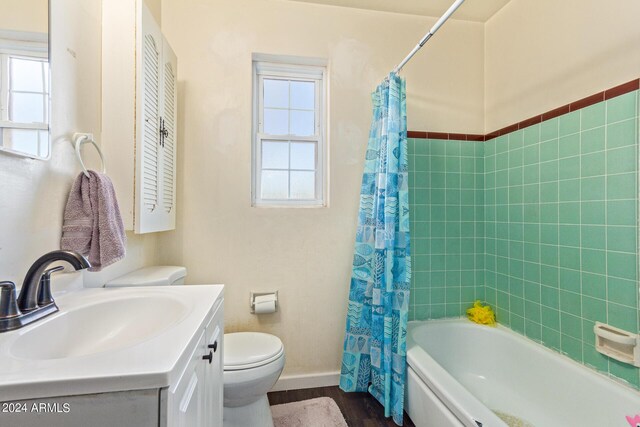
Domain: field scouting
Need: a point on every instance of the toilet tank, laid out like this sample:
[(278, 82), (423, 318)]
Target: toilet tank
[(161, 275)]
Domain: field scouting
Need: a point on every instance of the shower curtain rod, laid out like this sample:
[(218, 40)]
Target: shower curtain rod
[(431, 32)]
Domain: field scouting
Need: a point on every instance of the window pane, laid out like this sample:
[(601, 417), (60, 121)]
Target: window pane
[(303, 156), (303, 95), (275, 155), (46, 77), (22, 140), (302, 123), (276, 93), (276, 122), (26, 108), (26, 75), (303, 185), (275, 185)]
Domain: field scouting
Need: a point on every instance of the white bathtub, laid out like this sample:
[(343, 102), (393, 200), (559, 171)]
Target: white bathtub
[(459, 373)]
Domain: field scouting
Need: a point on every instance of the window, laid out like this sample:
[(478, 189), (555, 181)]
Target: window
[(24, 94), (26, 89), (289, 147)]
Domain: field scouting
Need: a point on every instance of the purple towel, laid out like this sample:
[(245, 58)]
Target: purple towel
[(92, 222)]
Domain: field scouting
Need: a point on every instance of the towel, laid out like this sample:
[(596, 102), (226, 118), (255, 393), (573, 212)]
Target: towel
[(92, 222)]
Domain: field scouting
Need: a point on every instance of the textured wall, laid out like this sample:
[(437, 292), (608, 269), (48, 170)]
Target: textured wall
[(540, 54), (25, 15), (304, 253)]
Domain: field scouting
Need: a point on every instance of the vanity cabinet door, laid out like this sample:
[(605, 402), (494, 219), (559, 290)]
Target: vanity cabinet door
[(215, 371), (188, 397), (196, 399)]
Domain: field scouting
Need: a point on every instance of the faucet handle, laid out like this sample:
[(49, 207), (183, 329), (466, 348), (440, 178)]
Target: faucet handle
[(8, 305), (44, 290)]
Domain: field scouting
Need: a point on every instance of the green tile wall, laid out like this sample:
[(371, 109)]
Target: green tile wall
[(446, 180), (561, 229), (541, 223)]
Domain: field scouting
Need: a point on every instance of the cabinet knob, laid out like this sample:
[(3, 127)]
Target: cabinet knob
[(208, 357), (214, 346)]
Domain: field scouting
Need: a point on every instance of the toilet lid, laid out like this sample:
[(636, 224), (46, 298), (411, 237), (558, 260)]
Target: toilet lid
[(245, 350)]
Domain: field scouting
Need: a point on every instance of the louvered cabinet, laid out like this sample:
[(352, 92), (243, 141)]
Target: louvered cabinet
[(155, 133), (139, 115)]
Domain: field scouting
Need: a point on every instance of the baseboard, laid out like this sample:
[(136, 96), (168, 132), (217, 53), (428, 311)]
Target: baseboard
[(300, 381)]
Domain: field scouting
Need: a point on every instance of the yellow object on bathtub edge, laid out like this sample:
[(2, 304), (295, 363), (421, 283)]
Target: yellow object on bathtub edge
[(482, 314)]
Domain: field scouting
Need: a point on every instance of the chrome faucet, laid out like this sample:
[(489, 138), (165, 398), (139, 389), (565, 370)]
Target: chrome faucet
[(35, 300)]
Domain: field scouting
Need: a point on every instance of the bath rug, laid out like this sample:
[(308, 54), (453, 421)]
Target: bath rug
[(512, 420), (319, 412)]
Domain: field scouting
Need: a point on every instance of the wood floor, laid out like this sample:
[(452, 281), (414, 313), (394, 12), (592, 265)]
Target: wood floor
[(359, 409)]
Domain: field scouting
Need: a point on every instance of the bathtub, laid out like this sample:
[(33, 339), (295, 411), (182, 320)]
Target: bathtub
[(459, 373)]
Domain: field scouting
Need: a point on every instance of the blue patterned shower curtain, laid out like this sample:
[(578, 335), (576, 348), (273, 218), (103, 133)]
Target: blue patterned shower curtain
[(374, 356)]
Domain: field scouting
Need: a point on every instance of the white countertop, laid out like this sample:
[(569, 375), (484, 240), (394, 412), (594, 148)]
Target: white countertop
[(153, 363)]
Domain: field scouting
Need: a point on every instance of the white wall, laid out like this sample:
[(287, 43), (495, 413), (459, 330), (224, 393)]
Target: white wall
[(24, 15), (542, 54), (304, 253), (34, 192)]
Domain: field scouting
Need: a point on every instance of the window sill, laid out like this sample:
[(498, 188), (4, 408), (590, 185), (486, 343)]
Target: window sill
[(290, 205)]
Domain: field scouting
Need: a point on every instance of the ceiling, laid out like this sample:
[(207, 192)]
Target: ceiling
[(479, 11)]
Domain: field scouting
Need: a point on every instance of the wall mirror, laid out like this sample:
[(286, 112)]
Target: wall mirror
[(25, 89)]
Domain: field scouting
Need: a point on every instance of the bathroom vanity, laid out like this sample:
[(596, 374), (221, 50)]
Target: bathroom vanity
[(140, 357)]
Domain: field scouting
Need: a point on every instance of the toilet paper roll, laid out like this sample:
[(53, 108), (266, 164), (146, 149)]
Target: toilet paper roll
[(265, 307), (264, 304)]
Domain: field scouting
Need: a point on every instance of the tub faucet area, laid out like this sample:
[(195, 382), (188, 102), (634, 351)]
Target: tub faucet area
[(35, 300)]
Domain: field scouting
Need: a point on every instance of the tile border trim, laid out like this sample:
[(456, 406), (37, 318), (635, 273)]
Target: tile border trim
[(573, 106)]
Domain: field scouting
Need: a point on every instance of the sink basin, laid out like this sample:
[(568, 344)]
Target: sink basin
[(99, 327)]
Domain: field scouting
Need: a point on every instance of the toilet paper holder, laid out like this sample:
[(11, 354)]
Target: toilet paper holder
[(253, 295)]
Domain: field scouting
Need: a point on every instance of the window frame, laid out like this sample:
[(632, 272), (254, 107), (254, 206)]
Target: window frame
[(289, 69), (6, 92), (33, 47)]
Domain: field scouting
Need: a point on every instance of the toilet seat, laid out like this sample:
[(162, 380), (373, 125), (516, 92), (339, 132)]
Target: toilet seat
[(247, 350)]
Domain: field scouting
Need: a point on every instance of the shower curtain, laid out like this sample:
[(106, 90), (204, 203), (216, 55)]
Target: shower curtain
[(374, 355)]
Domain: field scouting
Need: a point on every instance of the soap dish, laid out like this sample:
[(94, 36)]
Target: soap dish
[(617, 343)]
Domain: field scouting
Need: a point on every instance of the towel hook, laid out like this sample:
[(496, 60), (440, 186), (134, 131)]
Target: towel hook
[(81, 138)]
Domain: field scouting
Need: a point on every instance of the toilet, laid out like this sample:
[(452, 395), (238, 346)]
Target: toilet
[(253, 361), (166, 275)]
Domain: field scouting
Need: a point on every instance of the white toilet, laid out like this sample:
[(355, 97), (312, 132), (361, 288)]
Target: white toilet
[(253, 361), (166, 275)]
